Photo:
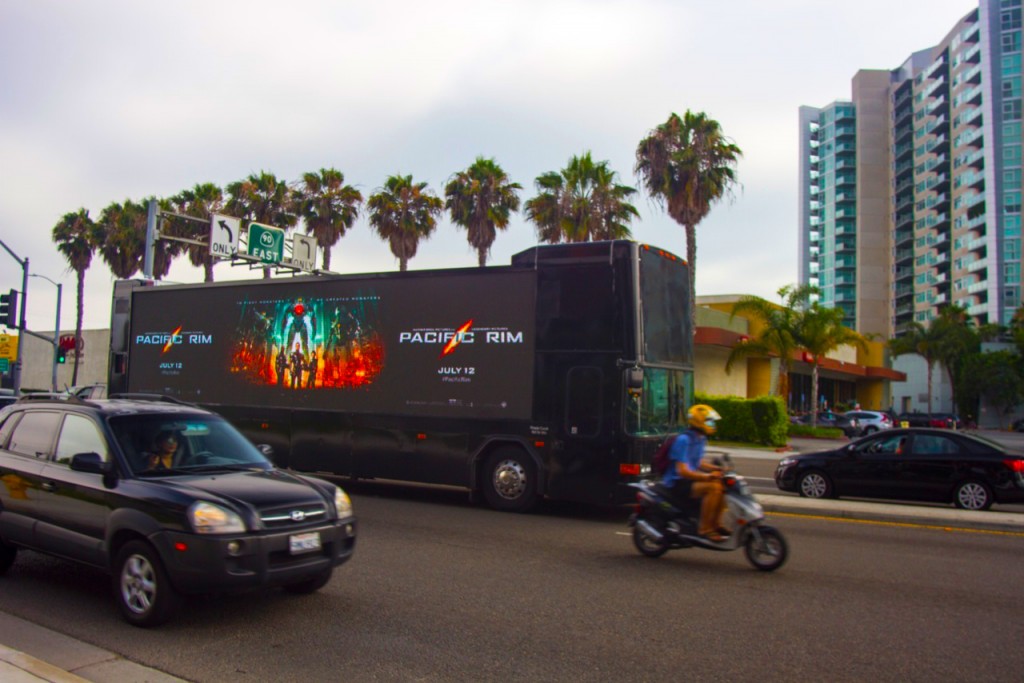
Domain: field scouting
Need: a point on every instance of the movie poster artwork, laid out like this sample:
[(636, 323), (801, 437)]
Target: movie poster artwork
[(308, 343)]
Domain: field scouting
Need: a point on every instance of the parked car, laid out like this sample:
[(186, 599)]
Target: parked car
[(870, 421), (79, 482), (934, 420), (826, 418), (910, 464)]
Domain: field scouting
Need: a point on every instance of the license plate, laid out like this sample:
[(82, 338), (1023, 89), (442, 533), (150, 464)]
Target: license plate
[(304, 543)]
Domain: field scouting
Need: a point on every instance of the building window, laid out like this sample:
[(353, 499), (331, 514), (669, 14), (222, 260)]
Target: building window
[(1011, 250), (1009, 19), (1011, 273), (1011, 176), (1011, 226), (1011, 42), (1011, 202), (1011, 65), (1011, 154), (1011, 110), (1011, 87)]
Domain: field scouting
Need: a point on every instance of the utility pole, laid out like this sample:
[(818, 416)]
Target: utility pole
[(16, 374), (56, 335)]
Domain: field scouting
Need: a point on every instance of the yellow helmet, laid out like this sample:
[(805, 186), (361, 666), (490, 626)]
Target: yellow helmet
[(703, 418)]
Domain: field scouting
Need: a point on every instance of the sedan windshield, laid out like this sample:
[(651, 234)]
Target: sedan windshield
[(173, 444)]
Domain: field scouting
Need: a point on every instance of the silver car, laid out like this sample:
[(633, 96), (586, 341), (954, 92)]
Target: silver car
[(870, 421)]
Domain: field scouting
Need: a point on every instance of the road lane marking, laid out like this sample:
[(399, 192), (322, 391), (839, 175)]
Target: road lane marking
[(909, 525)]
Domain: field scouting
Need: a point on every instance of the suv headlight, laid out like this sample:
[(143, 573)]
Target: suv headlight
[(342, 503), (207, 518)]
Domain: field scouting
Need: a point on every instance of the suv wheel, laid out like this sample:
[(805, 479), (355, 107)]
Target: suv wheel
[(141, 587), (7, 555)]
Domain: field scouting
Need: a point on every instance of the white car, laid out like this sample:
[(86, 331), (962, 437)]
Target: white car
[(870, 421)]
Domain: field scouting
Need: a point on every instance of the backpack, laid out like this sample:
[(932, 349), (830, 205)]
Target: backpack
[(660, 461)]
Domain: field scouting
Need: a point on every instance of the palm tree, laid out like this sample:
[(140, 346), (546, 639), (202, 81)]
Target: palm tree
[(202, 201), (328, 207), (820, 330), (923, 341), (261, 199), (121, 237), (777, 334), (403, 212), (75, 236), (688, 165), (480, 199), (580, 203)]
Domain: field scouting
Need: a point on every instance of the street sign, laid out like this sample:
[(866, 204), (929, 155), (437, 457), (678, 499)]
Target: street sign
[(304, 252), (5, 365), (266, 243), (224, 232), (9, 347)]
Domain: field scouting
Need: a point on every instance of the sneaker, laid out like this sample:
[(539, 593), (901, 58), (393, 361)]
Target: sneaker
[(713, 536)]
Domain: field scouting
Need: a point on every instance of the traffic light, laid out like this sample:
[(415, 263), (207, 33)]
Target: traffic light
[(62, 355), (65, 344), (9, 309)]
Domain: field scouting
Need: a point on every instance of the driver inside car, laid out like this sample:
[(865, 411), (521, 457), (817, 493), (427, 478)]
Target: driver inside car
[(165, 446)]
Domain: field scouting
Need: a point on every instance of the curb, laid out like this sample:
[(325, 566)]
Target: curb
[(12, 662)]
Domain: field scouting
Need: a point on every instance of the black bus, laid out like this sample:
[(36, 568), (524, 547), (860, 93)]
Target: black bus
[(556, 376)]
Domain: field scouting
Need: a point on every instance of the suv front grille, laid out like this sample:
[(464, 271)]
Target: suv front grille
[(276, 518)]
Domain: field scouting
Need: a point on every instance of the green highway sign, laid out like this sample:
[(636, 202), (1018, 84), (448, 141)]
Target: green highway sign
[(266, 243), (5, 365)]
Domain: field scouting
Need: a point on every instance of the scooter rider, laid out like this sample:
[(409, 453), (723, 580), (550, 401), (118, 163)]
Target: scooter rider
[(690, 476)]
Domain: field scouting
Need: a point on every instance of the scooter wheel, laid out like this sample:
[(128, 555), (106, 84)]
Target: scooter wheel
[(649, 545), (766, 549)]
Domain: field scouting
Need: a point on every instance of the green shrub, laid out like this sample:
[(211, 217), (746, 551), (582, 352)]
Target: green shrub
[(817, 432), (761, 420)]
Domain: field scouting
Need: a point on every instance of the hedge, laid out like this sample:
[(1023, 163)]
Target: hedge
[(762, 420)]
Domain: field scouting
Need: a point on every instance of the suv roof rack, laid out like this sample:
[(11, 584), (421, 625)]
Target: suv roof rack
[(51, 396), (156, 398)]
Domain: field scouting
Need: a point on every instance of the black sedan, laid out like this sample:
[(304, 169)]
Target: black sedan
[(910, 464)]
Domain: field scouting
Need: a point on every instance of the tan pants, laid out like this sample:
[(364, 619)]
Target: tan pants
[(712, 505)]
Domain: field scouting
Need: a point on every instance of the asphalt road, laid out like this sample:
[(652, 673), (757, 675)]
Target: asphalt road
[(441, 590)]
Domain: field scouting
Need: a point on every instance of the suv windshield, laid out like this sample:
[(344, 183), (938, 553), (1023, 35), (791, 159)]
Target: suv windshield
[(155, 444)]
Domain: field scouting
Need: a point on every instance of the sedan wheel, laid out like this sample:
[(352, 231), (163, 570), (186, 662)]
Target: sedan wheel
[(815, 485), (972, 495)]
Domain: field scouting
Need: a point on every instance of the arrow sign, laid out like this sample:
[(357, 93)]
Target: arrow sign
[(224, 232), (304, 252)]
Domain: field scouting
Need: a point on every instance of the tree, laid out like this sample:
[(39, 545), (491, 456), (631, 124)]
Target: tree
[(327, 206), (959, 339), (997, 377), (76, 236), (403, 212), (202, 201), (481, 199), (687, 165), (922, 341), (261, 199), (121, 239), (819, 331), (581, 203), (777, 336)]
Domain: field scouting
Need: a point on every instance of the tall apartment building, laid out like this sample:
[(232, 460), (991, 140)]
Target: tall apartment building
[(910, 192)]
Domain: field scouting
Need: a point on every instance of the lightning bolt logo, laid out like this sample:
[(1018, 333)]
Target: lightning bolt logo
[(170, 340), (456, 338)]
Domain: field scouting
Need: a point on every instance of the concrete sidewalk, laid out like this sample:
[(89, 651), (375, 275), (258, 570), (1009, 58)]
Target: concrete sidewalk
[(67, 659)]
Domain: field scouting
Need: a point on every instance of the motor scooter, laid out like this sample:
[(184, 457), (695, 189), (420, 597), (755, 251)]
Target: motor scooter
[(659, 525)]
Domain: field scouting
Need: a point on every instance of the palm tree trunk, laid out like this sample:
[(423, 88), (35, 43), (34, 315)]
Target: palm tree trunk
[(482, 256), (814, 394), (208, 269), (79, 303), (929, 388), (691, 258), (327, 257)]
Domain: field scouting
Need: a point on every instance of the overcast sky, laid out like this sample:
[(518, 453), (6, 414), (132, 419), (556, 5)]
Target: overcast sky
[(104, 101)]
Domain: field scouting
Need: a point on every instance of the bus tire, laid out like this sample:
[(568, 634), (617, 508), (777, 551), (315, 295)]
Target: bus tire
[(510, 480)]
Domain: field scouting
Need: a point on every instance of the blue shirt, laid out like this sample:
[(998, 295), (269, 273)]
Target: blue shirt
[(687, 448)]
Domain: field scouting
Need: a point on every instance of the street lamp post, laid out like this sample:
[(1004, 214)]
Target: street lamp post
[(56, 331)]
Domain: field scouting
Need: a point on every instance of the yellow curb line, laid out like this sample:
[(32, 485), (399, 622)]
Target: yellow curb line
[(910, 525)]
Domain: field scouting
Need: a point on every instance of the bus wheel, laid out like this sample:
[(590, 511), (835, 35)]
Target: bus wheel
[(510, 480)]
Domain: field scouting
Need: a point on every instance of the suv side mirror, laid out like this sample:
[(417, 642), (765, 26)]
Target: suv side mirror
[(89, 462)]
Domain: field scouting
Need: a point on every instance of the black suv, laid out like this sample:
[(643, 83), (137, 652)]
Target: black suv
[(168, 498)]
